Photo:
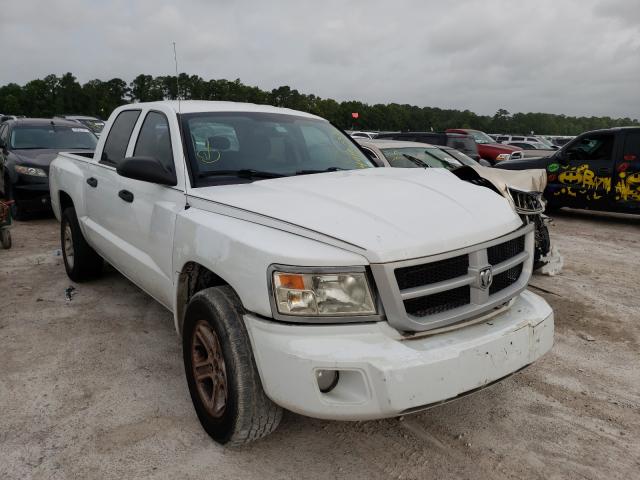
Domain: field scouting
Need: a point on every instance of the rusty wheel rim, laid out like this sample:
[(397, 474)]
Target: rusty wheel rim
[(68, 245), (209, 371)]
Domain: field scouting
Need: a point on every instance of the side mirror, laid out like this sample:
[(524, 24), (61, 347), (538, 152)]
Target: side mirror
[(146, 169)]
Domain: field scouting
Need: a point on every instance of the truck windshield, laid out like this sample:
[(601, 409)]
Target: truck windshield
[(53, 137), (219, 144), (416, 157), (481, 137)]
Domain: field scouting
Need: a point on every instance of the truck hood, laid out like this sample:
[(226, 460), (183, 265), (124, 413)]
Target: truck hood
[(527, 180), (389, 213), (500, 147)]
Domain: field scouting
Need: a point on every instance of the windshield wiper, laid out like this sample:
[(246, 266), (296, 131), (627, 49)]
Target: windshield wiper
[(415, 160), (330, 169), (242, 173)]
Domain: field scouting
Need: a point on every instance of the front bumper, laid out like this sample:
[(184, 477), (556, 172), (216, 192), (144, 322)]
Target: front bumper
[(383, 374), (32, 193)]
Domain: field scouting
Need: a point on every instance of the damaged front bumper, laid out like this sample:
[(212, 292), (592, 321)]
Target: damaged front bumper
[(382, 374)]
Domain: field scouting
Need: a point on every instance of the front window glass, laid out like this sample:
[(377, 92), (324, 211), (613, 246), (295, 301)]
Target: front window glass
[(222, 143), (154, 140), (481, 137), (417, 157), (54, 137), (591, 147)]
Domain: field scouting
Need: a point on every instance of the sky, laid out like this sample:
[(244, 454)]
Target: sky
[(577, 57)]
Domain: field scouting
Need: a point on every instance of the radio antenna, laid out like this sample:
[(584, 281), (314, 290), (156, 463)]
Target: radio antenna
[(184, 159), (175, 60)]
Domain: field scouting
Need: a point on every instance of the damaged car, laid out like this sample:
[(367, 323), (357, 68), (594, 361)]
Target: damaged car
[(523, 189)]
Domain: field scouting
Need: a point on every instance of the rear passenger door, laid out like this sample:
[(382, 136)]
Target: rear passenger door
[(137, 217), (627, 180)]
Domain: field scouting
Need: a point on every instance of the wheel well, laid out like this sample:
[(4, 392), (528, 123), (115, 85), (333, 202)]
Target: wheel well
[(65, 201), (193, 278)]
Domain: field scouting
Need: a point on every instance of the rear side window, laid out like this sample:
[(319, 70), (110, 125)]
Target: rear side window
[(632, 147), (115, 146), (154, 140)]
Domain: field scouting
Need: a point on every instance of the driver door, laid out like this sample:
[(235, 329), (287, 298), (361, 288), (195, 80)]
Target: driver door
[(583, 175)]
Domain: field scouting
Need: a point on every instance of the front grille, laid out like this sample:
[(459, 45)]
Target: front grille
[(430, 293), (527, 203), (505, 279), (504, 251), (438, 302), (429, 273)]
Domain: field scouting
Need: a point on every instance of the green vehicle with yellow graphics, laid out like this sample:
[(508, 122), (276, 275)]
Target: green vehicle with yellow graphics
[(597, 170)]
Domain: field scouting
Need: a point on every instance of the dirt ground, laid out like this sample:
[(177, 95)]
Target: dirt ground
[(94, 388)]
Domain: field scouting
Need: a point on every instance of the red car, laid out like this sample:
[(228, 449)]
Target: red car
[(488, 148)]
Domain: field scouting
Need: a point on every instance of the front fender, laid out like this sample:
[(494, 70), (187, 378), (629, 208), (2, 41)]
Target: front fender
[(240, 252)]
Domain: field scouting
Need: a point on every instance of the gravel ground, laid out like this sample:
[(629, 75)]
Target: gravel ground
[(94, 387)]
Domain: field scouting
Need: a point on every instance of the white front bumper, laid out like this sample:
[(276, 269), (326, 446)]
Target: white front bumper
[(383, 375)]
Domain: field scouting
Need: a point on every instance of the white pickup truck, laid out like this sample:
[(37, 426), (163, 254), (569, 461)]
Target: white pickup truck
[(299, 276)]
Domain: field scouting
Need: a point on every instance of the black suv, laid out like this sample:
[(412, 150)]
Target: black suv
[(597, 170)]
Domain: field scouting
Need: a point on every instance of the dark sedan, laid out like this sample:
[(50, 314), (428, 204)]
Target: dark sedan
[(27, 148)]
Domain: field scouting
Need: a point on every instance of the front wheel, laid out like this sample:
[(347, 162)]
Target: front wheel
[(5, 238), (543, 241), (80, 260), (223, 380)]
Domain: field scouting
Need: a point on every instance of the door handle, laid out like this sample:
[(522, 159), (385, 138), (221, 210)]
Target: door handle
[(126, 195), (92, 182)]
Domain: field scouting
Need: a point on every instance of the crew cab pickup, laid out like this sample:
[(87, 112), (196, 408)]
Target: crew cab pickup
[(300, 276), (597, 170), (488, 148)]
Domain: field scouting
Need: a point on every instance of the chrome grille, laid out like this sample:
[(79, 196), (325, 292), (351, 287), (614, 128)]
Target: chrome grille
[(504, 251), (428, 273), (432, 292), (438, 302), (527, 203), (505, 279)]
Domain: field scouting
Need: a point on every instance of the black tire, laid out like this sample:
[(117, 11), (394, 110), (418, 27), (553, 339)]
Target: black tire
[(81, 262), (543, 242), (5, 238), (551, 208), (248, 414)]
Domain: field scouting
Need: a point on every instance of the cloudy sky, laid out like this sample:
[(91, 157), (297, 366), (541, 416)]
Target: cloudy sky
[(579, 57)]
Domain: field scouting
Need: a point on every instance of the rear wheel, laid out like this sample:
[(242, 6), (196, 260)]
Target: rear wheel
[(80, 260), (221, 373)]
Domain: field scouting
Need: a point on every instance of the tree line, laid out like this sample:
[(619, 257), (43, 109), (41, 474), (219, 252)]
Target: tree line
[(53, 95)]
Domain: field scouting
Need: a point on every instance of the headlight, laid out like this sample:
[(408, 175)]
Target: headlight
[(503, 156), (32, 171), (322, 294)]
